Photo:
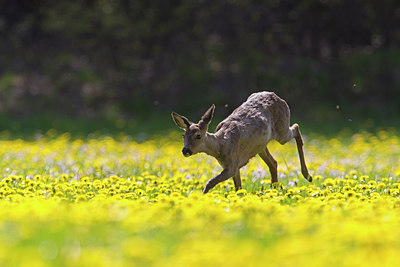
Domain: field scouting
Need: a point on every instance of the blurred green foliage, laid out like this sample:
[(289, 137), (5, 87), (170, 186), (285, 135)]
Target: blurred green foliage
[(125, 59)]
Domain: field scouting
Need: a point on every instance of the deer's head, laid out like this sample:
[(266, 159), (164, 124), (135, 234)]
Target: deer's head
[(195, 133)]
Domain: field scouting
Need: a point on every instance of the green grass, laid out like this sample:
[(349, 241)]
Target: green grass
[(328, 123)]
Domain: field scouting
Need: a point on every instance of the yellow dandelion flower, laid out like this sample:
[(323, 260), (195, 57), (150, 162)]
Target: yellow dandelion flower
[(350, 194), (381, 186), (347, 188), (81, 198), (328, 182), (317, 177), (241, 192), (37, 178), (175, 195), (363, 187)]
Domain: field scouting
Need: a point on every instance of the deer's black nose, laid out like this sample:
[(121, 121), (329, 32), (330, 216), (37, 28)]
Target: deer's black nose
[(187, 152)]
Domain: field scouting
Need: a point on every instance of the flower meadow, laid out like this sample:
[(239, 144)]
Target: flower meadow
[(103, 201)]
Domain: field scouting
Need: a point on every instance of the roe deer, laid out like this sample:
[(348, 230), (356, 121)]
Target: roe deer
[(242, 135)]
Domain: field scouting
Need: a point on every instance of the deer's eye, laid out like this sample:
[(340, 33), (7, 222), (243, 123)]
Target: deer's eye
[(183, 135), (198, 136)]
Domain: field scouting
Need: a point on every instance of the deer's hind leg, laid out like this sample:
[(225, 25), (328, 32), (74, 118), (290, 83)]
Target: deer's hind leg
[(294, 132), (272, 164)]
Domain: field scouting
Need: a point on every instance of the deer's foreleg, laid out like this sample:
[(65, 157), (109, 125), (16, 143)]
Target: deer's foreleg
[(272, 164), (224, 175), (237, 181)]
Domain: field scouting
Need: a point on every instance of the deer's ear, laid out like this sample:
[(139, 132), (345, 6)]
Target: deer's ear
[(207, 117), (181, 121)]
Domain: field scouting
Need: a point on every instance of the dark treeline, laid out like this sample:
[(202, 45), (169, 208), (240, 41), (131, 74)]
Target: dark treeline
[(122, 58)]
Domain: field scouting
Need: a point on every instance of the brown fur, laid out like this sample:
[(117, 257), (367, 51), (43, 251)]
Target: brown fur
[(242, 135)]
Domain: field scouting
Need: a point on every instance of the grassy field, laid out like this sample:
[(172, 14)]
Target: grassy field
[(103, 201)]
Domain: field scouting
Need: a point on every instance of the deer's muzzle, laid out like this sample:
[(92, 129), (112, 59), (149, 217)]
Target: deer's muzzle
[(187, 152)]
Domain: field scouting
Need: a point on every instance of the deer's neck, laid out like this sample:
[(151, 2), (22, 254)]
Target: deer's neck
[(211, 145)]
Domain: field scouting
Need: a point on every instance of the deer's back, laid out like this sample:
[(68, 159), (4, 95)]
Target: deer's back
[(261, 118)]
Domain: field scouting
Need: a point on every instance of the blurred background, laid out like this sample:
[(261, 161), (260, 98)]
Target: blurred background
[(120, 64)]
